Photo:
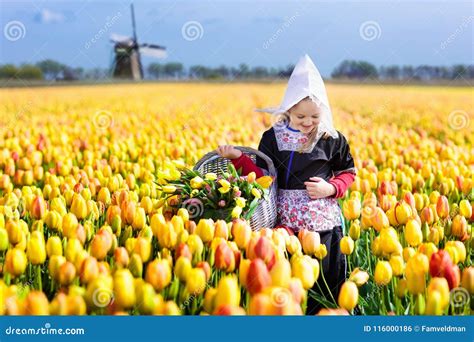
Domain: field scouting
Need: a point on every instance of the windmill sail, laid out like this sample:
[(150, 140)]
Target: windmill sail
[(152, 51)]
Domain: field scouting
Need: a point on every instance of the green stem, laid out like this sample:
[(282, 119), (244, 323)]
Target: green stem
[(327, 287), (383, 307), (367, 243), (38, 277)]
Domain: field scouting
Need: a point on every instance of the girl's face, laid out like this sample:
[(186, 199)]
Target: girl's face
[(305, 116)]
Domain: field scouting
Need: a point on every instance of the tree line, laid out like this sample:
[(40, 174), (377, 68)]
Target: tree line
[(349, 69)]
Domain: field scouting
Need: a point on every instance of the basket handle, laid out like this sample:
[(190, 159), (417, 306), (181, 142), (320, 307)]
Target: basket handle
[(210, 156)]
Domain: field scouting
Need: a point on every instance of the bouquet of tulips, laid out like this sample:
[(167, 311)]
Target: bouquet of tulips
[(222, 195)]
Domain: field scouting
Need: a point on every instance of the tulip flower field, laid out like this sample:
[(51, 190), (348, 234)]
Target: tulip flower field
[(87, 223)]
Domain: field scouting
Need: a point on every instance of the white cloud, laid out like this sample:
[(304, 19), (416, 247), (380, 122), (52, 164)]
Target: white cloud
[(47, 16)]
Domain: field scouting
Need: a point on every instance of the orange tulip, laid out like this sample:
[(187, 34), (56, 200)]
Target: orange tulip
[(38, 208), (158, 274), (36, 303), (15, 262), (442, 207), (224, 258), (468, 279), (310, 242), (459, 226), (89, 270)]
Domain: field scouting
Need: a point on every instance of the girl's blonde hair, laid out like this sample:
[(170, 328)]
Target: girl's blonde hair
[(311, 135)]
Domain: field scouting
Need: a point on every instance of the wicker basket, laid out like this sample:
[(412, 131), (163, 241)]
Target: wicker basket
[(266, 213)]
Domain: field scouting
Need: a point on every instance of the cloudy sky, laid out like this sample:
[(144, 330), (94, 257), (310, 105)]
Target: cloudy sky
[(269, 33)]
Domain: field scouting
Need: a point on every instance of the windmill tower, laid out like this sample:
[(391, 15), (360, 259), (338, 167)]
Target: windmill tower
[(127, 54)]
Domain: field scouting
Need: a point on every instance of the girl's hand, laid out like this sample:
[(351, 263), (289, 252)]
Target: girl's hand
[(319, 188), (228, 151)]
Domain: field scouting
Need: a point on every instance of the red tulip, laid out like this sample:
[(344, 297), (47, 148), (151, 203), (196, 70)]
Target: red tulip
[(439, 262), (258, 277), (453, 276), (263, 249), (183, 250)]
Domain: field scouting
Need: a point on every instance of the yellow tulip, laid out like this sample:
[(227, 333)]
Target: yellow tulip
[(354, 230), (196, 182), (359, 277), (281, 273), (195, 244), (69, 225), (347, 245), (256, 193), (401, 288), (351, 209), (321, 252), (301, 268), (427, 248), (236, 212), (241, 233), (379, 219), (3, 239), (413, 234), (182, 268), (209, 304), (439, 285), (36, 250), (196, 281), (389, 240), (124, 289), (465, 208), (139, 219), (397, 264), (265, 181), (205, 230), (383, 273), (228, 292), (79, 207), (348, 295), (293, 245), (402, 212), (434, 304), (54, 246)]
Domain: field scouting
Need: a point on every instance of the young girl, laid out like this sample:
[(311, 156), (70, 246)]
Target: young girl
[(314, 168)]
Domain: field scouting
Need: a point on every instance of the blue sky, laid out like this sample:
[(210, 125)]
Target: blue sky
[(269, 33)]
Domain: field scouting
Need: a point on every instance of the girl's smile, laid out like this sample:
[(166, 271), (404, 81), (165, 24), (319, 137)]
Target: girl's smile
[(305, 116)]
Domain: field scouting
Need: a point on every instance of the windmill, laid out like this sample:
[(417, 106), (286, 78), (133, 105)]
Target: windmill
[(127, 52)]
